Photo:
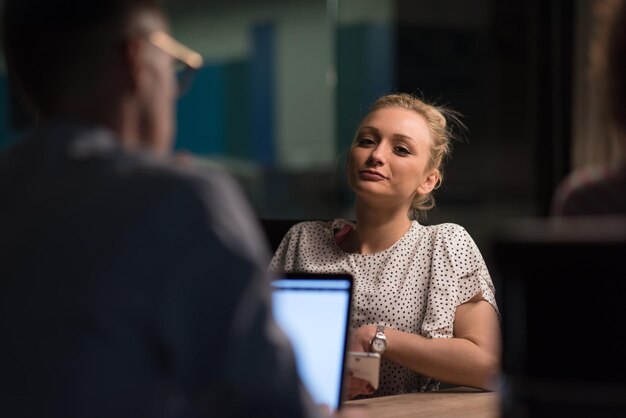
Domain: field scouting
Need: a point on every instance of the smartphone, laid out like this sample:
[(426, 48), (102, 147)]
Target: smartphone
[(365, 366)]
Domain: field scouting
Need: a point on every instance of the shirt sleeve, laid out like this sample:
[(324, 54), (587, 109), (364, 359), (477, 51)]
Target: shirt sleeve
[(458, 273), (285, 256)]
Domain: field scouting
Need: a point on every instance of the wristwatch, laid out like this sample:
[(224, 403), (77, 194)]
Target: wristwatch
[(379, 342)]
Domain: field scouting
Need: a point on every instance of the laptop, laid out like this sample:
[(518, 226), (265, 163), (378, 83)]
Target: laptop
[(313, 309)]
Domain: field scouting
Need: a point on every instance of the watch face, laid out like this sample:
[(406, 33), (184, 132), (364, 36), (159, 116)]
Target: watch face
[(378, 345)]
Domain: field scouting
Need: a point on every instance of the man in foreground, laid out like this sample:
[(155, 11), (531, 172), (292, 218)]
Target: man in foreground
[(132, 286)]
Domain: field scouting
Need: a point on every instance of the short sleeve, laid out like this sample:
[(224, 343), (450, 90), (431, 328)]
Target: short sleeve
[(458, 272)]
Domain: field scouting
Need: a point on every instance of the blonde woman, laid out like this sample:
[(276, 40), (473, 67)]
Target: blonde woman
[(424, 298)]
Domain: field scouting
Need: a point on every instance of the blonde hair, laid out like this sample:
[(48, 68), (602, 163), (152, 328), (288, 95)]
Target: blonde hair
[(443, 124)]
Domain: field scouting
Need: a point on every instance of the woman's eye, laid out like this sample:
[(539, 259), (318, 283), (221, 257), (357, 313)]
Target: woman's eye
[(365, 141), (402, 151)]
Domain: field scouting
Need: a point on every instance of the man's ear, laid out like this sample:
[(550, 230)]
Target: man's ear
[(133, 61), (429, 183)]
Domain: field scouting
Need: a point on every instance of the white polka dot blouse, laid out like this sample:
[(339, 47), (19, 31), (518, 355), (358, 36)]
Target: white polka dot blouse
[(413, 286)]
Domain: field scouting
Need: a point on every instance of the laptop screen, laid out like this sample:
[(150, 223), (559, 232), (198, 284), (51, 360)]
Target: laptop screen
[(314, 312)]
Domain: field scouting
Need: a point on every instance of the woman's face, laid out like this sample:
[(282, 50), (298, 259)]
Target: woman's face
[(389, 158)]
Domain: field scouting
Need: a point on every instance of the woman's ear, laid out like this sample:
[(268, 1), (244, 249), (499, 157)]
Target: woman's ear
[(431, 181)]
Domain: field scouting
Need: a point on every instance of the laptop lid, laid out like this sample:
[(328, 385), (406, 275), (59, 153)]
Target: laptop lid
[(313, 309)]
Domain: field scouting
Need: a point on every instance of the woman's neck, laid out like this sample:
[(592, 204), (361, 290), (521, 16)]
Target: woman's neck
[(377, 229)]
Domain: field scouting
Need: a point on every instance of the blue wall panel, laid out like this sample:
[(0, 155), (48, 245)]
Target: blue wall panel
[(230, 109), (262, 74), (201, 114), (236, 107)]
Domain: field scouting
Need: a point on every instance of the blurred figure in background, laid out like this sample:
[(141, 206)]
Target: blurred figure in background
[(601, 189), (132, 286), (424, 298)]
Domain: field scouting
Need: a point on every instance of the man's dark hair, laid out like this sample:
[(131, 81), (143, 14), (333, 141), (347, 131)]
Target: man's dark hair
[(48, 44)]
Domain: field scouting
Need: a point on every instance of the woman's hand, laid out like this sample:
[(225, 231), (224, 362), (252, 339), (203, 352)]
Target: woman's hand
[(360, 341), (361, 338), (359, 387)]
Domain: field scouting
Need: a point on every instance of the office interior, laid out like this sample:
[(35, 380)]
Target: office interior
[(285, 83)]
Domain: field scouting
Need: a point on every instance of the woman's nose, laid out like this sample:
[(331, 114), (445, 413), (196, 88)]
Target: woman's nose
[(376, 157)]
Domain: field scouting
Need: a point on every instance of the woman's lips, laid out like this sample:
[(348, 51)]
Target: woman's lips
[(371, 175)]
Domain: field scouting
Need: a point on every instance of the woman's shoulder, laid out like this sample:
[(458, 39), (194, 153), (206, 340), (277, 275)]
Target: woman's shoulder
[(305, 235), (445, 229), (448, 233)]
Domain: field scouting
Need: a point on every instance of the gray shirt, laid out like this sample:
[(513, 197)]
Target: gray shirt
[(132, 287)]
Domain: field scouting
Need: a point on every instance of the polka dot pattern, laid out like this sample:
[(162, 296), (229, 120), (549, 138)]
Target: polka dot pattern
[(413, 286)]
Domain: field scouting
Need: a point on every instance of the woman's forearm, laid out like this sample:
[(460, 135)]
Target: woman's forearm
[(470, 358), (452, 360)]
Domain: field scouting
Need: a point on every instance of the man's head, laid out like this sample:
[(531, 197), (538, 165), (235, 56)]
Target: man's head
[(94, 60)]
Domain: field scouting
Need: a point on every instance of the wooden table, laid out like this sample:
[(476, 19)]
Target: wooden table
[(449, 403)]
